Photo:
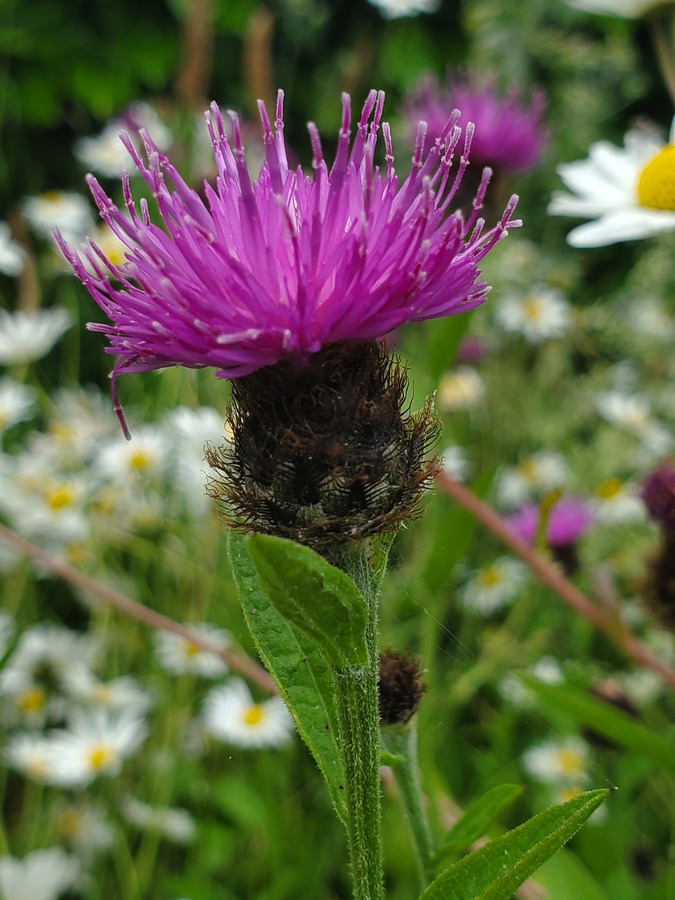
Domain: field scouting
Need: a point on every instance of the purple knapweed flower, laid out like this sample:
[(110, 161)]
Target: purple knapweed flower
[(658, 493), (508, 135), (280, 266), (568, 519)]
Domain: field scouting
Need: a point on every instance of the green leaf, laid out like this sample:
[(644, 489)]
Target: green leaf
[(299, 669), (607, 720), (315, 596), (476, 819), (498, 868)]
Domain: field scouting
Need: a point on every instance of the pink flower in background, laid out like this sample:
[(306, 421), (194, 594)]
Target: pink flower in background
[(509, 134), (280, 266), (567, 521)]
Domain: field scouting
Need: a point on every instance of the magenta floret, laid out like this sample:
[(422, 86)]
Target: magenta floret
[(282, 265)]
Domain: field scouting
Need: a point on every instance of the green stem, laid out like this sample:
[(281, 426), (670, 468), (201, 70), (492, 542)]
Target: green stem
[(401, 742), (359, 721)]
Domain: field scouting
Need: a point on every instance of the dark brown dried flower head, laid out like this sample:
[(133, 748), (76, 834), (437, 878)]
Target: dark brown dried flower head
[(659, 588), (400, 687), (658, 493), (326, 453)]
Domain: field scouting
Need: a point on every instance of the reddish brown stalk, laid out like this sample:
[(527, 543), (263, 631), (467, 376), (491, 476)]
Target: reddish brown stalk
[(133, 609), (193, 79), (551, 576)]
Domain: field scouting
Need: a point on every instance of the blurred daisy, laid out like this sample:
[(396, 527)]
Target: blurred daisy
[(538, 474), (231, 715), (495, 585), (180, 656), (29, 754), (23, 697), (538, 316), (12, 254), (71, 213), (123, 693), (49, 650), (512, 688), (191, 430), (614, 502), (46, 508), (629, 192), (397, 9), (558, 761), (27, 336), (16, 403), (142, 456), (454, 463), (84, 828), (650, 317), (633, 414), (175, 825), (41, 875), (96, 743), (105, 154), (629, 9), (461, 389)]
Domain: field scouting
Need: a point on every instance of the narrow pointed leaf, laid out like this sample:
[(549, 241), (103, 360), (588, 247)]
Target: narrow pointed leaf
[(498, 868), (317, 597), (476, 819), (299, 669)]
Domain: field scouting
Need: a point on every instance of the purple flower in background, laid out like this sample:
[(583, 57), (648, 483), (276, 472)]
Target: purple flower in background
[(279, 267), (509, 134), (567, 521), (658, 493)]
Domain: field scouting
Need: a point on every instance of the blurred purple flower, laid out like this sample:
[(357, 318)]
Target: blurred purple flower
[(509, 134), (568, 520), (658, 493), (279, 267)]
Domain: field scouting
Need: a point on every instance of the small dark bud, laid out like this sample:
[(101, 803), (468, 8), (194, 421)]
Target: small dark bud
[(326, 453), (400, 687), (658, 493)]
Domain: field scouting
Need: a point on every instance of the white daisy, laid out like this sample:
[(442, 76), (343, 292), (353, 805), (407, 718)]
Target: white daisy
[(396, 9), (231, 715), (629, 192), (534, 475), (12, 254), (495, 585), (191, 430), (144, 455), (96, 743), (17, 402), (84, 828), (51, 649), (71, 213), (29, 754), (122, 694), (105, 154), (633, 414), (650, 317), (43, 506), (179, 656), (461, 389), (455, 464), (615, 502), (27, 336), (539, 315), (629, 9), (41, 875), (174, 824), (558, 761), (512, 688)]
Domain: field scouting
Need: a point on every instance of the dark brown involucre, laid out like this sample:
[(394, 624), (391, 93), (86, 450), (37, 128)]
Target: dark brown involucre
[(327, 453)]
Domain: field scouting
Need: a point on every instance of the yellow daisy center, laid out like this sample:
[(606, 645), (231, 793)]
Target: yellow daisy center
[(140, 460), (70, 823), (254, 715), (570, 761), (52, 196), (528, 469), (192, 650), (32, 701), (100, 757), (60, 497), (656, 185), (101, 693), (532, 308), (4, 418), (609, 489), (489, 577)]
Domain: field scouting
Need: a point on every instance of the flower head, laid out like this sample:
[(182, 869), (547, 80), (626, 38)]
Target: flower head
[(231, 715), (567, 520), (11, 252), (509, 133), (658, 493), (539, 314), (29, 335), (495, 585), (41, 875), (629, 192), (281, 266)]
